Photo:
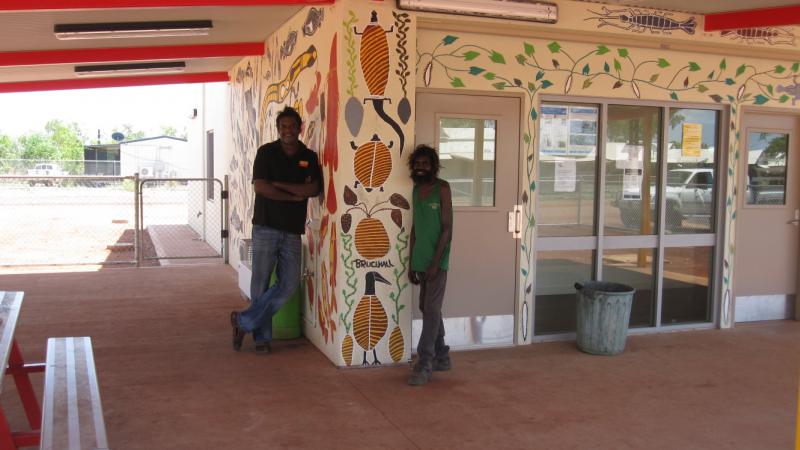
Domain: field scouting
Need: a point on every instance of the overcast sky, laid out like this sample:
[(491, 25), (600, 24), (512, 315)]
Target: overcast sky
[(145, 108)]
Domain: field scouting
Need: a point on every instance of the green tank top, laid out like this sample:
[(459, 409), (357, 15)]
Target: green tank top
[(427, 228)]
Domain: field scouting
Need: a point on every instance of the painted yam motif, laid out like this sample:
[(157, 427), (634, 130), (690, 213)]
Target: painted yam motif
[(372, 241)]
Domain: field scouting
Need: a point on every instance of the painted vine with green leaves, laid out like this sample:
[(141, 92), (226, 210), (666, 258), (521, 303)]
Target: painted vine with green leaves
[(621, 69)]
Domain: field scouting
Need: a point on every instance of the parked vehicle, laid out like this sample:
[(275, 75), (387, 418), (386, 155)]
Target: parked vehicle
[(47, 170), (689, 195)]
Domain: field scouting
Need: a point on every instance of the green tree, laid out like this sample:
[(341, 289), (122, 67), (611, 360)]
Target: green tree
[(127, 130), (8, 148), (66, 139), (8, 151), (168, 130), (36, 146)]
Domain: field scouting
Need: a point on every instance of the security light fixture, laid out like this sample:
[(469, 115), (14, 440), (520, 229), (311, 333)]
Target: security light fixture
[(104, 70), (132, 29), (530, 10)]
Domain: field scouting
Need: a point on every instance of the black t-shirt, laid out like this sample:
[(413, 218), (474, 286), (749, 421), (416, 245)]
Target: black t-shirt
[(272, 164)]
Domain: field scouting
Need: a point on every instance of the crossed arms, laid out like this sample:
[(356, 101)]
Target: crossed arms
[(285, 191)]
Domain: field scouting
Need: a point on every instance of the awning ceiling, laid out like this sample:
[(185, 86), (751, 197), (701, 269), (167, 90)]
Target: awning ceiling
[(32, 58)]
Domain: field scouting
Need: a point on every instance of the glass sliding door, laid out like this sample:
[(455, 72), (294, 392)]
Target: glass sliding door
[(644, 217), (631, 168), (567, 170)]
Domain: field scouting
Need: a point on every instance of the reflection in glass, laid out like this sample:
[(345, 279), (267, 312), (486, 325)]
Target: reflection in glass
[(567, 170), (767, 155), (631, 167), (635, 268), (690, 171), (556, 301), (467, 152), (687, 294)]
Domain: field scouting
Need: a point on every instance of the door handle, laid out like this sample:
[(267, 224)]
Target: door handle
[(794, 222), (515, 222)]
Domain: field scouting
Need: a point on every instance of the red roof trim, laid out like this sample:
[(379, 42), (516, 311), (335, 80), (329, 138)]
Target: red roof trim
[(753, 18), (91, 83), (89, 55), (29, 5)]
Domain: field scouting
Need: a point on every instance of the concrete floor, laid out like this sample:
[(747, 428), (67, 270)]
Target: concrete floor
[(169, 379)]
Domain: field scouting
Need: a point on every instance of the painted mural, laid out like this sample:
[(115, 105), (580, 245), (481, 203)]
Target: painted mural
[(533, 67), (642, 20), (761, 35), (374, 324), (244, 100), (357, 258)]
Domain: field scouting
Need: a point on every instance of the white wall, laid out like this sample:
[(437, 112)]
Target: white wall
[(213, 114)]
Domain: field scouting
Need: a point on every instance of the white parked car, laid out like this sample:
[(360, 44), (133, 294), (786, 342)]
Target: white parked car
[(47, 170), (689, 195)]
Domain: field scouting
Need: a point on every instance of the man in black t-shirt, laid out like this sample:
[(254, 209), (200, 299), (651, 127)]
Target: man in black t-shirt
[(285, 174)]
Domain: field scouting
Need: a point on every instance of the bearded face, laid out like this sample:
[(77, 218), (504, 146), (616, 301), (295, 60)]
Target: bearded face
[(422, 170)]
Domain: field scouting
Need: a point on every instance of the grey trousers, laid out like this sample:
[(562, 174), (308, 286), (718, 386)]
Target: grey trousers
[(431, 341)]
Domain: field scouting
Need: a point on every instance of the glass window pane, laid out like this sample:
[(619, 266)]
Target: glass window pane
[(556, 303), (467, 151), (691, 171), (767, 155), (567, 170), (687, 286), (634, 267), (631, 167)]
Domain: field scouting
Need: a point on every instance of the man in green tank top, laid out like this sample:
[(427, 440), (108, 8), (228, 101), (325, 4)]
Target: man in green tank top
[(431, 232)]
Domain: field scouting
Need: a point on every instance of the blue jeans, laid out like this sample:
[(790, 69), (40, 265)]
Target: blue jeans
[(272, 250)]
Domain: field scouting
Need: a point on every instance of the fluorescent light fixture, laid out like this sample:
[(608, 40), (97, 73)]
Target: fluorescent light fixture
[(132, 29), (106, 70), (529, 10)]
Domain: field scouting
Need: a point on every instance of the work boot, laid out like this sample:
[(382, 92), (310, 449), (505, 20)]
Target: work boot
[(419, 376), (442, 361), (442, 364), (238, 332)]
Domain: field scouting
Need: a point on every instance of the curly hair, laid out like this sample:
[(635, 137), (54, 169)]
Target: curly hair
[(430, 152), (291, 113)]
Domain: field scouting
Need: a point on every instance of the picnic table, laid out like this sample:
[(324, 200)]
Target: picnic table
[(12, 360), (73, 414)]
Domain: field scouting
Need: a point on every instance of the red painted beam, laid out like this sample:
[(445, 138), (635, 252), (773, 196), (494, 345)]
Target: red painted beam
[(91, 83), (753, 18), (90, 55), (31, 5)]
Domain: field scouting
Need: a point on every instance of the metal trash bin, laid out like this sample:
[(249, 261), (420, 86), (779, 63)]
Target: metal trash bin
[(604, 310)]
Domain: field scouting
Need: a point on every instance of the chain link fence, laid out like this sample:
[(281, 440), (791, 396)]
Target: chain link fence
[(183, 217), (46, 167), (66, 222), (84, 220)]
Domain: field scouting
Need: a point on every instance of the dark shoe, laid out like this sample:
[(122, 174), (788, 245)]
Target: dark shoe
[(442, 364), (238, 332), (419, 377), (263, 347)]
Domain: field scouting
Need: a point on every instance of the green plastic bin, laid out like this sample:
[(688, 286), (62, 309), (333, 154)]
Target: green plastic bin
[(286, 324)]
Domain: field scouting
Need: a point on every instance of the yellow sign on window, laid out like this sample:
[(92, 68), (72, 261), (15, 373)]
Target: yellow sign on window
[(692, 139)]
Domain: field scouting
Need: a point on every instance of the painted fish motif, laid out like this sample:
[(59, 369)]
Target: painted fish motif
[(313, 21), (768, 35), (288, 45), (641, 20)]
